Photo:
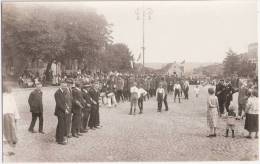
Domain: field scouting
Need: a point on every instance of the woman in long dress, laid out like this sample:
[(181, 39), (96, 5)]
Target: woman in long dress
[(10, 117), (212, 112)]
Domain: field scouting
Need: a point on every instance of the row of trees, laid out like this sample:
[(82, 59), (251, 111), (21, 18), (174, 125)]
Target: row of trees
[(32, 32), (235, 64)]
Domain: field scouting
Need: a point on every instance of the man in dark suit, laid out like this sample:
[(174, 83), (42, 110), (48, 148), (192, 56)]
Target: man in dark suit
[(220, 93), (78, 104), (36, 108), (68, 98), (94, 121), (87, 108), (61, 110)]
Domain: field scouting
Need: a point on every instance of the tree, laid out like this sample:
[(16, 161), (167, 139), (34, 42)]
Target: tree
[(116, 57), (231, 63), (53, 33)]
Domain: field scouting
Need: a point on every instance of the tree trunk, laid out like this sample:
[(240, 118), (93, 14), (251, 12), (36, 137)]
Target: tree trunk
[(48, 74)]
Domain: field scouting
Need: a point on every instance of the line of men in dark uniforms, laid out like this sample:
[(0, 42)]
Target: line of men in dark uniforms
[(77, 109)]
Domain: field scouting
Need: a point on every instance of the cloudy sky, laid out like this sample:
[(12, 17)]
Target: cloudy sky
[(195, 31)]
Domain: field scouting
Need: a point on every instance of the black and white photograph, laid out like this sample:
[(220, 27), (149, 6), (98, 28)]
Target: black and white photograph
[(129, 81)]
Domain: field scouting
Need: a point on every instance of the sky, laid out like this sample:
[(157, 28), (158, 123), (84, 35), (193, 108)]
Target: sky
[(194, 31)]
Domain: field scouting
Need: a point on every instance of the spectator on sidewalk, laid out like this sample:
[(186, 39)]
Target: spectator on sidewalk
[(212, 112), (242, 99), (251, 122), (10, 117), (36, 108), (231, 118)]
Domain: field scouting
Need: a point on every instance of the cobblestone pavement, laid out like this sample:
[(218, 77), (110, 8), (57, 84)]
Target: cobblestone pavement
[(176, 135)]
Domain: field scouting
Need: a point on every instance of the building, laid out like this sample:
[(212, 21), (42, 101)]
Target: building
[(173, 69)]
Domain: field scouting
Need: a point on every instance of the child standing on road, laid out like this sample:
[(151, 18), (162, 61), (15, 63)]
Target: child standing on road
[(134, 97), (160, 93), (141, 95), (231, 118), (197, 90), (212, 112)]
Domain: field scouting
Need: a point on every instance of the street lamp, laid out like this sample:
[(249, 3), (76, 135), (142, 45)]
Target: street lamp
[(145, 14)]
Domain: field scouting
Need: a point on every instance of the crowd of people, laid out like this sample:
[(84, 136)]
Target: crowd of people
[(220, 104), (79, 98)]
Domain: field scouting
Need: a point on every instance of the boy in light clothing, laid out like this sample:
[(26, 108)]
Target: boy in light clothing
[(141, 95), (197, 90), (231, 118), (134, 97), (160, 93)]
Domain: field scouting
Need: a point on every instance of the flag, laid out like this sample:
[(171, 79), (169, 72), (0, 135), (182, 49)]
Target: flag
[(139, 57), (132, 64), (183, 62)]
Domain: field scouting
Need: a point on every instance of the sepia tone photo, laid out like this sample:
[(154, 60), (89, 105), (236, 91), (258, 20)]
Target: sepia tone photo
[(129, 81)]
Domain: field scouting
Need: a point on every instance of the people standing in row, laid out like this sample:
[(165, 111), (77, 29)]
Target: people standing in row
[(61, 110), (78, 104), (36, 108), (68, 101), (94, 119), (87, 108)]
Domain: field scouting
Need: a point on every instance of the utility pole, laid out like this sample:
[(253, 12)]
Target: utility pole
[(145, 15)]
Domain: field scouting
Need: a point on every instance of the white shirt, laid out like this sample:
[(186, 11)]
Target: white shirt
[(160, 90), (134, 89), (141, 91), (197, 90), (177, 86), (9, 105)]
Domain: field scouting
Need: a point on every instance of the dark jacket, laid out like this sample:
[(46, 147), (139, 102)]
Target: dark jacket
[(68, 98), (61, 105), (87, 99), (94, 96), (35, 101), (78, 102)]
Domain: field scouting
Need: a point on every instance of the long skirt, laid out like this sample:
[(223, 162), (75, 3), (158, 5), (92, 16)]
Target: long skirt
[(251, 123), (9, 129), (212, 117)]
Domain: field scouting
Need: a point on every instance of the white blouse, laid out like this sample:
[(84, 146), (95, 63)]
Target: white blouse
[(9, 105)]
